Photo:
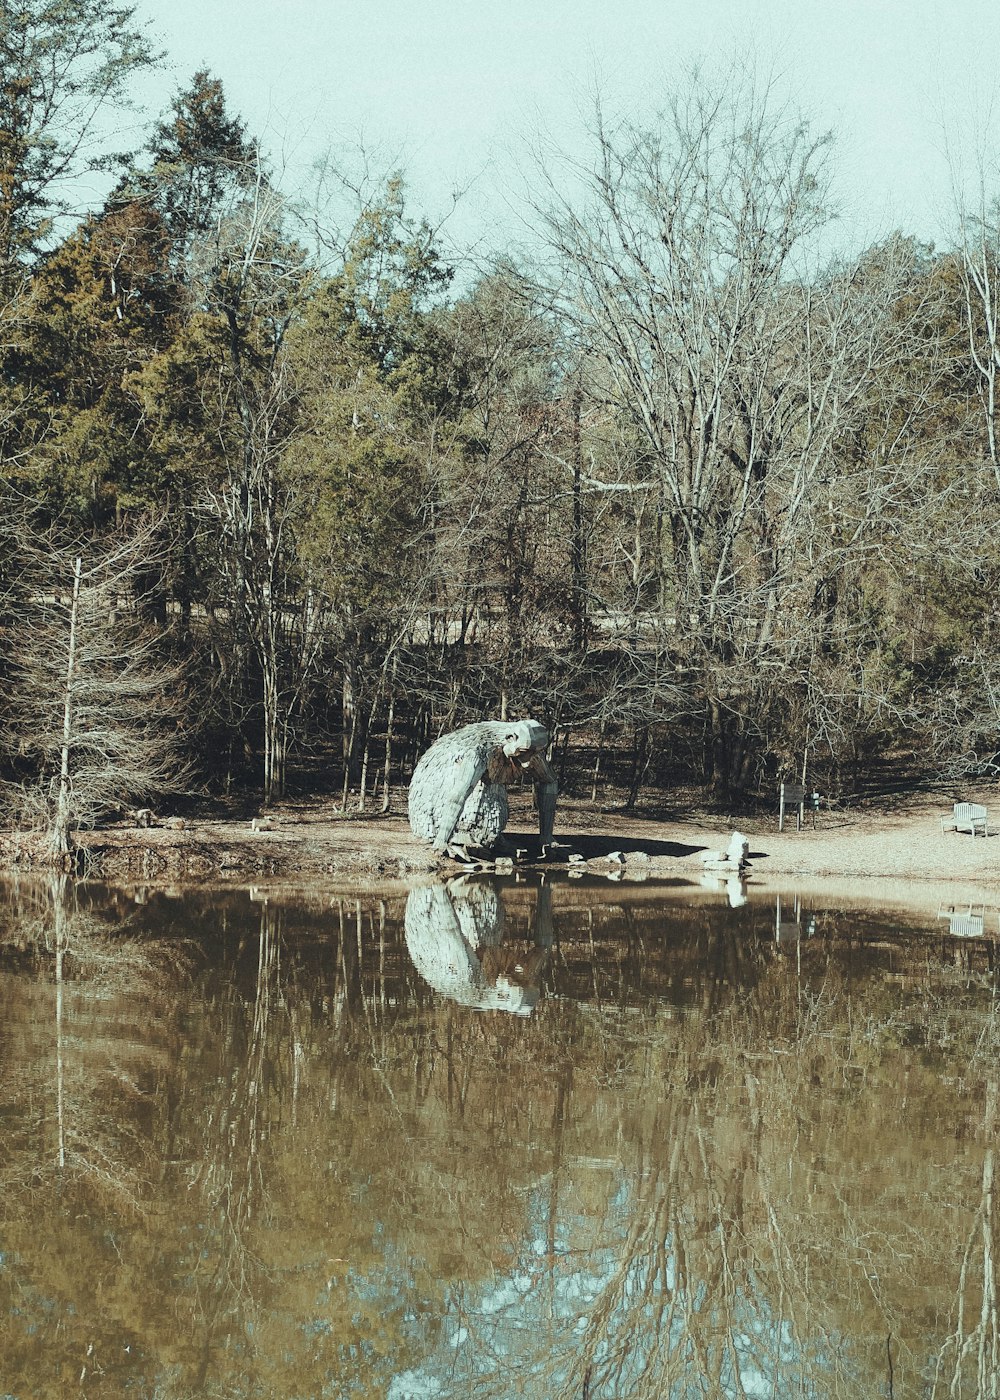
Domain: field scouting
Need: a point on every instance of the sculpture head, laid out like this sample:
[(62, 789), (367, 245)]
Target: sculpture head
[(523, 739)]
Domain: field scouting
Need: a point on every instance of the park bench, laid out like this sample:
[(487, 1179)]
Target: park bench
[(967, 816)]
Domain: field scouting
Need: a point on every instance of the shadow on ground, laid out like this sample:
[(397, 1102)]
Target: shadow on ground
[(594, 847)]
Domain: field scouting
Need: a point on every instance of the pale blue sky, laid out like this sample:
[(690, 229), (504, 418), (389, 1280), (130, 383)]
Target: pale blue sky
[(448, 88)]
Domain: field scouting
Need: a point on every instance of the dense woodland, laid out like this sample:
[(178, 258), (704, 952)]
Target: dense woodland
[(284, 496)]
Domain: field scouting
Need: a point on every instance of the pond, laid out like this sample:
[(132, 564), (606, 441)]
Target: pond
[(497, 1138)]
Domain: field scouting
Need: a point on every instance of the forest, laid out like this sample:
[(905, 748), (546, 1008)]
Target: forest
[(288, 490)]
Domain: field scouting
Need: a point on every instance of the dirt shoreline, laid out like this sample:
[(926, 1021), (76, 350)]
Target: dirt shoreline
[(897, 854)]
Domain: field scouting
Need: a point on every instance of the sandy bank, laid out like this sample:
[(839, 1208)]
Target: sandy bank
[(897, 855)]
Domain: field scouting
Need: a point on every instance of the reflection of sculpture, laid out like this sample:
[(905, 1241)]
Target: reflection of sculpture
[(458, 795), (734, 887), (454, 934)]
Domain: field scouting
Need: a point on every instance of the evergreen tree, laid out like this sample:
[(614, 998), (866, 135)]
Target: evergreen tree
[(61, 63), (368, 362), (197, 157), (102, 306)]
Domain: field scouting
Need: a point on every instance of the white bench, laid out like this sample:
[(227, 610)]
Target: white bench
[(967, 816)]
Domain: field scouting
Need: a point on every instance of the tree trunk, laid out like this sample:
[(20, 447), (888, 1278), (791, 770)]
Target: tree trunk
[(63, 814), (366, 754), (597, 760), (274, 739), (563, 750), (640, 762), (718, 765), (349, 738), (348, 716), (387, 770), (578, 546)]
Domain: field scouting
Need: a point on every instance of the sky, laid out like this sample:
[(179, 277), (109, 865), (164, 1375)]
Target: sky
[(451, 90)]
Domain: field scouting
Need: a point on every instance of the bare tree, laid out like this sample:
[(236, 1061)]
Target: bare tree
[(97, 706), (731, 367), (977, 256), (252, 280), (499, 518)]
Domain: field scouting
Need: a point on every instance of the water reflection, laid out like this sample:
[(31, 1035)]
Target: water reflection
[(733, 886), (966, 922), (248, 1149), (455, 934)]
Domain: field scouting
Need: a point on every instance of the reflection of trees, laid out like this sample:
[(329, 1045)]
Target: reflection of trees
[(773, 1218), (968, 1362), (85, 968), (226, 1277), (83, 1046), (701, 1165)]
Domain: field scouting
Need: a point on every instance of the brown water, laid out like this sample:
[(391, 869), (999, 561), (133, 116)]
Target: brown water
[(277, 1148)]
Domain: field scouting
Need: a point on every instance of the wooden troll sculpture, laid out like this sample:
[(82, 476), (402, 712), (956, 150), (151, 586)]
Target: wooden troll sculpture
[(458, 795)]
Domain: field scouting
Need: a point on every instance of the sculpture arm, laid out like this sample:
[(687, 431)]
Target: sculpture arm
[(457, 778), (546, 790)]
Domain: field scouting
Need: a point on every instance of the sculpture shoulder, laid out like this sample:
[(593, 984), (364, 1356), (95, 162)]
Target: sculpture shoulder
[(469, 745), (471, 737)]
